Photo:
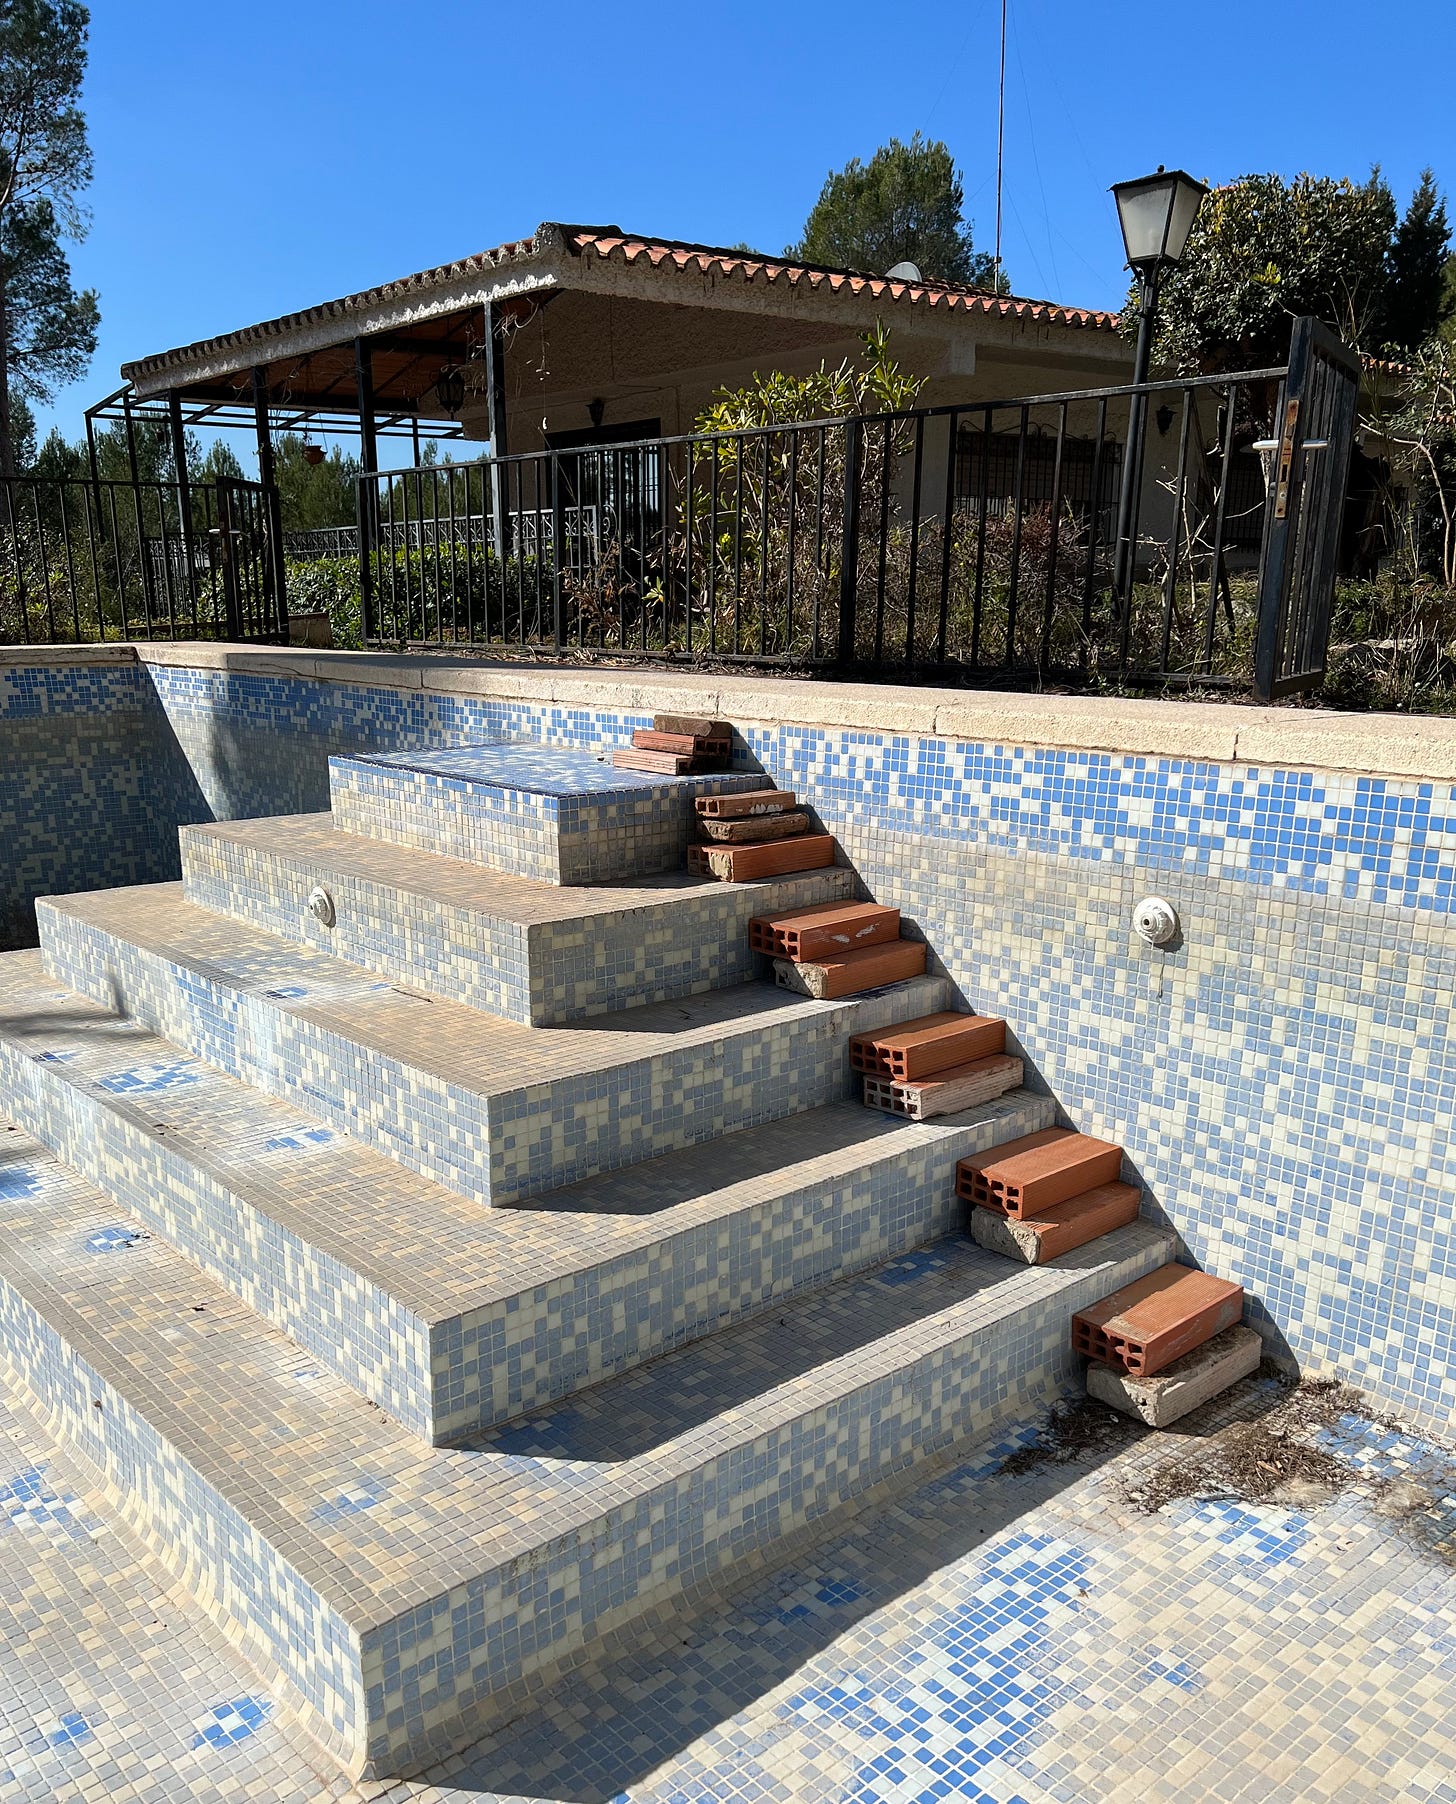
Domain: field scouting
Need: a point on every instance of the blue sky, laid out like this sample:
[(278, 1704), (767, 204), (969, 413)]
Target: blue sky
[(255, 159)]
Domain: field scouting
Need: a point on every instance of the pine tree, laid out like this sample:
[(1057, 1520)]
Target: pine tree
[(1416, 297), (904, 204), (47, 330)]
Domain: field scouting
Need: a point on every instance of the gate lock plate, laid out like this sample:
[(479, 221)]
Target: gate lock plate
[(1286, 461)]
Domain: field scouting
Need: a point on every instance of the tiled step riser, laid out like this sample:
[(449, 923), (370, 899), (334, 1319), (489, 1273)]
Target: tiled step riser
[(275, 1617), (387, 1698), (686, 1531), (489, 1365), (357, 1330), (515, 1144), (543, 973), (502, 1362), (636, 830)]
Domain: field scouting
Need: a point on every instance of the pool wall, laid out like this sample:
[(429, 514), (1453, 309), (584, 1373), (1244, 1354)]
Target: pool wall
[(1281, 1073)]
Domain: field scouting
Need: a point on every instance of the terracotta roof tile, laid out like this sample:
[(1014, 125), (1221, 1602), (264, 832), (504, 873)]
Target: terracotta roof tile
[(609, 243), (613, 245)]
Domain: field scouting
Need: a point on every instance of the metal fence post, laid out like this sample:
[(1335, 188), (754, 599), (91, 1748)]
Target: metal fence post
[(849, 553), (558, 541)]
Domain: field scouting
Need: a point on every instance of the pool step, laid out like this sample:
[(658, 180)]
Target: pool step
[(447, 1316), (493, 1109), (389, 1589), (534, 952)]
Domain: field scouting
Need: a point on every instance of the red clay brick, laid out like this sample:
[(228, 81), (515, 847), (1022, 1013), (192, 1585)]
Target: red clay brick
[(866, 969), (1150, 1323), (827, 930), (667, 764), (1064, 1227), (753, 830), (750, 802), (1037, 1172), (707, 752), (693, 726), (959, 1087), (741, 864), (918, 1049)]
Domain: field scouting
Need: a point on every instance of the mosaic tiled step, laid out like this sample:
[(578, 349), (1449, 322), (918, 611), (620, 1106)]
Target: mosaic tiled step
[(959, 1087), (824, 931), (533, 952), (866, 968), (447, 1317), (389, 1588), (918, 1049), (1144, 1327), (490, 1108), (554, 813), (1037, 1173), (744, 864), (1048, 1233)]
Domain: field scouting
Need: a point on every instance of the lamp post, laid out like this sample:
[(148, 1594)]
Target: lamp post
[(1157, 214)]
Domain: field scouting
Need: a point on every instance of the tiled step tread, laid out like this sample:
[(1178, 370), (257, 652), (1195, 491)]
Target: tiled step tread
[(311, 841), (380, 1523), (436, 1251), (454, 1043)]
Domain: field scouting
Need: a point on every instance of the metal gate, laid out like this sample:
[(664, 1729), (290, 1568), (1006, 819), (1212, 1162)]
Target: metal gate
[(1305, 512), (249, 553)]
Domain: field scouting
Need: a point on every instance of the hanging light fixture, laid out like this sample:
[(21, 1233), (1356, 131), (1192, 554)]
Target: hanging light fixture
[(450, 390)]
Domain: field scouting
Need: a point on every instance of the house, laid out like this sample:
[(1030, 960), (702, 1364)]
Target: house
[(585, 334)]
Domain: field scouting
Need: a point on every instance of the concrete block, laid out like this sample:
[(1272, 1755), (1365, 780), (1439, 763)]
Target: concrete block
[(1183, 1386)]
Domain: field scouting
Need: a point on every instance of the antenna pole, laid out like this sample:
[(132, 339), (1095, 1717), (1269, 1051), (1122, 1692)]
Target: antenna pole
[(1000, 141)]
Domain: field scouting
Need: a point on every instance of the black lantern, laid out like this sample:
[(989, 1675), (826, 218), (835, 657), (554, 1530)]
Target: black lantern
[(1157, 214), (450, 391)]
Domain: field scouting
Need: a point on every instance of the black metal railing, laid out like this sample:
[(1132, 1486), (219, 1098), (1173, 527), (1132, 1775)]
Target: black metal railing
[(980, 539), (85, 561)]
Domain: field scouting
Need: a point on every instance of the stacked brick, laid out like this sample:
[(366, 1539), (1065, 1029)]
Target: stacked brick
[(838, 949), (761, 833), (678, 745), (1046, 1194), (936, 1065)]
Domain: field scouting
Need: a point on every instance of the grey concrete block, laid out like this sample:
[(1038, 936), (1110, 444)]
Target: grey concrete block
[(1187, 1383)]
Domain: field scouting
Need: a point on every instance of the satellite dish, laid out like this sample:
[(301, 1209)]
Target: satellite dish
[(904, 272)]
